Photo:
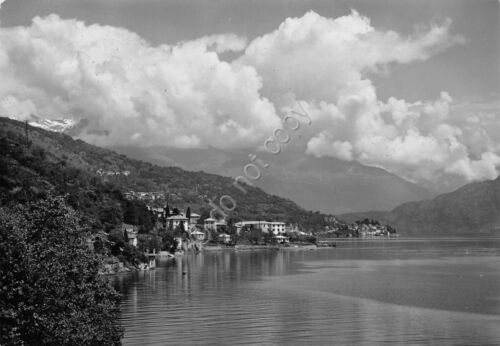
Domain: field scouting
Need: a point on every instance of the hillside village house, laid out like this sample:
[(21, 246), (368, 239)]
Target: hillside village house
[(213, 224), (224, 238), (281, 239), (266, 226), (278, 227), (144, 196), (176, 220), (131, 234), (198, 235), (157, 211)]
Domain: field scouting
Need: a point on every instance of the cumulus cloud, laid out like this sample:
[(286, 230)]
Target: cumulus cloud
[(181, 95), (326, 59), (326, 63), (132, 93)]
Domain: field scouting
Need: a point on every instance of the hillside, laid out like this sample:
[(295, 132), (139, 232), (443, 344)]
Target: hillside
[(34, 161), (326, 184), (472, 208)]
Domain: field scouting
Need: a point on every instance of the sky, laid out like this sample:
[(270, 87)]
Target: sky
[(409, 86)]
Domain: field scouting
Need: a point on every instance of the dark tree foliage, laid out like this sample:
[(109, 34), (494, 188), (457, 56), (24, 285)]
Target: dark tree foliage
[(367, 221), (251, 235), (168, 242), (136, 213), (50, 289)]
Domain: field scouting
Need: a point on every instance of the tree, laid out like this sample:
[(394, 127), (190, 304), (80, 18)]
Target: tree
[(50, 289), (125, 236), (116, 241)]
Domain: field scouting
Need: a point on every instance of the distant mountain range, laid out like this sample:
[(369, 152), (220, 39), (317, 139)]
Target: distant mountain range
[(55, 159), (325, 184), (472, 208)]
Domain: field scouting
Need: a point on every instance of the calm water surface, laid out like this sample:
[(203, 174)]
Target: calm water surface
[(400, 292)]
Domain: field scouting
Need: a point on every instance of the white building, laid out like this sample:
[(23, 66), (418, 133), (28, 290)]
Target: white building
[(197, 235), (175, 220), (213, 224), (281, 239), (193, 220), (278, 227), (131, 234), (224, 238), (264, 226)]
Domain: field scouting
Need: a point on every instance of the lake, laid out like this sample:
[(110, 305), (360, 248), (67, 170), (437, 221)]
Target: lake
[(379, 292)]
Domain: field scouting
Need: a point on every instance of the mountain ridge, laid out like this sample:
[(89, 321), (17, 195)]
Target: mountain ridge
[(34, 154), (326, 184), (472, 208)]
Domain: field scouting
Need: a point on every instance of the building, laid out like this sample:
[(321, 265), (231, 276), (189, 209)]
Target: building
[(213, 224), (157, 212), (131, 231), (281, 239), (278, 227), (224, 238), (193, 220), (175, 221), (198, 235), (264, 226)]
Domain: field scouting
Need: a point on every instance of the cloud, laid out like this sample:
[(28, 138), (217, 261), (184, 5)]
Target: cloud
[(324, 59), (132, 93), (327, 64), (181, 95)]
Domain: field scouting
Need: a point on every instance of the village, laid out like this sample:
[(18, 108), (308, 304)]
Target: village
[(175, 231)]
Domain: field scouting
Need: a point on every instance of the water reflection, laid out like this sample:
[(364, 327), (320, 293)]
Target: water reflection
[(360, 293)]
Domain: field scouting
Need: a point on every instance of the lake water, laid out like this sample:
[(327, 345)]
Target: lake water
[(399, 292)]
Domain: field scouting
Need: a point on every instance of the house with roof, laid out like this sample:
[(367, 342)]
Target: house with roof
[(278, 227), (281, 239), (174, 221), (157, 211), (132, 233), (198, 235), (213, 224), (264, 226), (224, 238)]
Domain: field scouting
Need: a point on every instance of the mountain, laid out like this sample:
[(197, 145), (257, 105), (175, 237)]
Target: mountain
[(55, 125), (326, 184), (34, 161), (472, 208)]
